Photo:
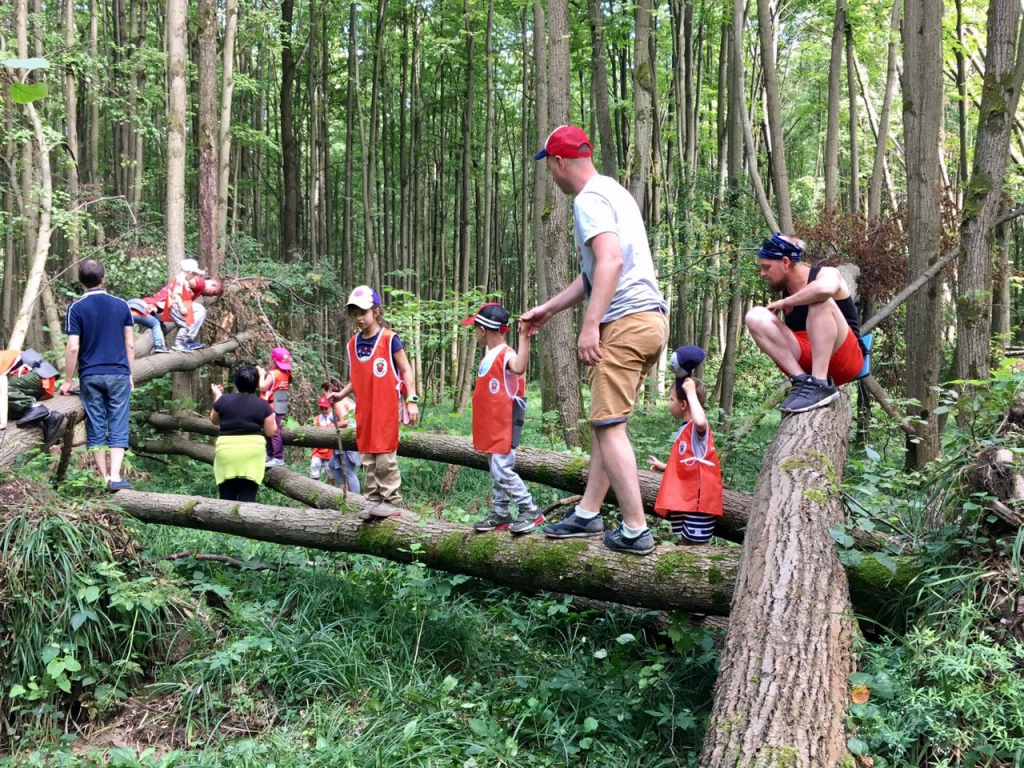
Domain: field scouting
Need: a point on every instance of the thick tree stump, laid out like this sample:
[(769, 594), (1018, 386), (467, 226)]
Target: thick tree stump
[(14, 442), (784, 677)]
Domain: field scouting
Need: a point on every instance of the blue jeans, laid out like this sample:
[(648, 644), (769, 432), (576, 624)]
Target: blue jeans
[(106, 399), (352, 462), (153, 323)]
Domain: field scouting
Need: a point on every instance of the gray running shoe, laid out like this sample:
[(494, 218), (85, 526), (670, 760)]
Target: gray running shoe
[(638, 545), (813, 394), (574, 527), (527, 521), (496, 521)]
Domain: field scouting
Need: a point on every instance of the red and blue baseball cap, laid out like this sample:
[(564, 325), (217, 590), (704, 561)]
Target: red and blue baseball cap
[(491, 316), (566, 141)]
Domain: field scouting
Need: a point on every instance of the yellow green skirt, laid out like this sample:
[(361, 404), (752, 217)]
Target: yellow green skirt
[(240, 456)]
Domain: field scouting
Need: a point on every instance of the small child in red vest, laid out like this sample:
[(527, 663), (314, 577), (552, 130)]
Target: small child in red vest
[(320, 457), (275, 384), (690, 496), (382, 381), (499, 410)]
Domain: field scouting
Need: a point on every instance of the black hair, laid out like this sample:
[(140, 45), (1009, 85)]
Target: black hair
[(90, 273), (247, 379), (702, 393)]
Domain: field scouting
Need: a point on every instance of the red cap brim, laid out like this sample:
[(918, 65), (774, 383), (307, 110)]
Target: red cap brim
[(471, 320)]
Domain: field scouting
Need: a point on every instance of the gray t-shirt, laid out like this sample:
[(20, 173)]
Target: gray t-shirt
[(604, 205)]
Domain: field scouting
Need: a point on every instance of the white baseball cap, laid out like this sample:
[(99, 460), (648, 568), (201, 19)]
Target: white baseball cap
[(191, 265)]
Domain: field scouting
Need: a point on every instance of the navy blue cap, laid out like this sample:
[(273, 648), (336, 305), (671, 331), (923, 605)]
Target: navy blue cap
[(685, 360)]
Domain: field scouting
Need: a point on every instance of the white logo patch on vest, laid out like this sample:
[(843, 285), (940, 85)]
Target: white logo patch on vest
[(494, 386), (682, 447), (380, 367)]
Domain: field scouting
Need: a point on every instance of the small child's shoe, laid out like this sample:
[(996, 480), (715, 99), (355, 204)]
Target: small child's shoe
[(496, 521)]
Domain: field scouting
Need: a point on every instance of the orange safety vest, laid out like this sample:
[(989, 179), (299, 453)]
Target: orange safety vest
[(11, 365), (9, 359), (378, 388), (281, 380), (178, 285), (690, 484), (323, 453), (493, 405)]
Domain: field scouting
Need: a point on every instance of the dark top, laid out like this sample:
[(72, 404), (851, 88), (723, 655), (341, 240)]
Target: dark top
[(796, 320), (242, 414), (364, 347), (99, 320)]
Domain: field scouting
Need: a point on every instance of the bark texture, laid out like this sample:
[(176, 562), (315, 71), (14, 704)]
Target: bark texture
[(672, 579), (15, 442), (783, 679)]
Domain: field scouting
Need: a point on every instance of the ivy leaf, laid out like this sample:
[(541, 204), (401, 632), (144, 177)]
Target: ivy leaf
[(857, 746), (26, 93), (590, 725)]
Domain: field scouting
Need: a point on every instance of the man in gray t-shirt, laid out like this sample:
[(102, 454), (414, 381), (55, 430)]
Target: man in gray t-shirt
[(624, 331)]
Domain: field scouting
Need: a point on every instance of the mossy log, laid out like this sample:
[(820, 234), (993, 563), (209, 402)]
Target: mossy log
[(694, 580), (15, 442), (783, 682), (550, 468), (874, 588)]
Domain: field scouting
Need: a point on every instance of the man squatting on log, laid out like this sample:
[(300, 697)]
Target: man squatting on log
[(818, 344), (624, 330)]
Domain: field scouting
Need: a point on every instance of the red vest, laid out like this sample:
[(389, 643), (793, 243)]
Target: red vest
[(690, 484), (282, 380), (492, 407), (377, 387), (323, 422), (178, 287)]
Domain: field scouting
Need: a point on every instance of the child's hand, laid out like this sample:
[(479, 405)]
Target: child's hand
[(657, 465), (414, 412), (689, 386)]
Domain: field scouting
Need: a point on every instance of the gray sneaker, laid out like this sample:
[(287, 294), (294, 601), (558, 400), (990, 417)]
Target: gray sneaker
[(617, 540), (574, 527), (496, 521), (813, 393), (527, 521)]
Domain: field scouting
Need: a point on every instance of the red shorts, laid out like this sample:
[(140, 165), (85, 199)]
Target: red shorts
[(846, 363)]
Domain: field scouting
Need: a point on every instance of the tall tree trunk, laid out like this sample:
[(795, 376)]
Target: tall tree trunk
[(94, 100), (599, 77), (832, 131), (224, 152), (351, 105), (1004, 68), (766, 10), (71, 131), (559, 353), (851, 93), (291, 150), (176, 21), (208, 133), (782, 684), (542, 191), (882, 139), (484, 260), (467, 346), (644, 83), (922, 120)]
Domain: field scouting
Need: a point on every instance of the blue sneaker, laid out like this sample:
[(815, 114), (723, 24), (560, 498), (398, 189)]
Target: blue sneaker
[(617, 540), (574, 527), (118, 485)]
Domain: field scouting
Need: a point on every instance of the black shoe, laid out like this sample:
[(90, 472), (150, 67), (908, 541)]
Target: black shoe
[(33, 416), (52, 428), (813, 394)]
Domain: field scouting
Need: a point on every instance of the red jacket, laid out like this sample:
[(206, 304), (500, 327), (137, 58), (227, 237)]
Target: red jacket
[(493, 405), (690, 484)]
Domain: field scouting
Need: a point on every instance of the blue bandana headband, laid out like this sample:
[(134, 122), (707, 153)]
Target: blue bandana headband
[(777, 247)]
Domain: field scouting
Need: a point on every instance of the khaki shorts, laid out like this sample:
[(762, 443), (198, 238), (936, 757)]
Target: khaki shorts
[(630, 348)]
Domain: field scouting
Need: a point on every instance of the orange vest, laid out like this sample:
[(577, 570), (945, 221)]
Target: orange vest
[(377, 387), (492, 407), (690, 484), (9, 358), (11, 365), (179, 286), (323, 453), (281, 380)]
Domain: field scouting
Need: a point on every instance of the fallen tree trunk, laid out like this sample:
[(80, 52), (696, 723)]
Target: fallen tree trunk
[(874, 588), (15, 442), (784, 676), (550, 468), (693, 580)]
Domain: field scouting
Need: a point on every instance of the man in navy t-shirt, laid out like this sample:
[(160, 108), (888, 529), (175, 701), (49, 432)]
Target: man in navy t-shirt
[(101, 346)]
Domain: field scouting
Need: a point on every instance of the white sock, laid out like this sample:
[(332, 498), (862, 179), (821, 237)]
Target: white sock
[(115, 478), (582, 514), (632, 533)]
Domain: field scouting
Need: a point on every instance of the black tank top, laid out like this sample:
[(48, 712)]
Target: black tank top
[(797, 319)]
